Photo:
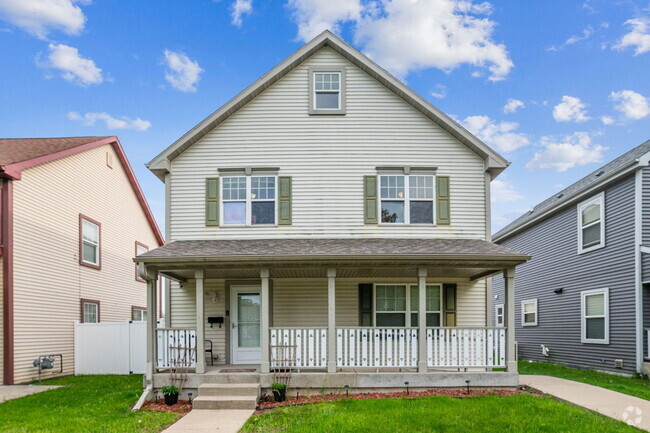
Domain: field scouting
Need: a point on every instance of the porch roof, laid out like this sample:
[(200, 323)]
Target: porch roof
[(464, 258)]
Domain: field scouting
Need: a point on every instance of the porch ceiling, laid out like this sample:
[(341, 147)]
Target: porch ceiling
[(309, 258)]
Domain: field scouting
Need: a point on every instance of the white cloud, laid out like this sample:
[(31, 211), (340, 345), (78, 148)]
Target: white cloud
[(513, 105), (501, 135), (607, 120), (111, 122), (638, 37), (74, 68), (408, 35), (240, 8), (563, 153), (586, 33), (440, 91), (40, 17), (504, 192), (570, 109), (182, 73), (633, 105), (316, 16)]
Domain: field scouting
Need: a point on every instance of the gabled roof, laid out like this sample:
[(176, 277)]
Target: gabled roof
[(494, 162), (597, 179), (18, 154)]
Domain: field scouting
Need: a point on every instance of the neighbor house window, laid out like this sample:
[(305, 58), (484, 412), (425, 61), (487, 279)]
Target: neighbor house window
[(139, 314), (89, 311), (140, 248), (498, 314), (529, 313), (90, 251), (397, 305), (407, 199), (591, 224), (595, 316), (249, 200)]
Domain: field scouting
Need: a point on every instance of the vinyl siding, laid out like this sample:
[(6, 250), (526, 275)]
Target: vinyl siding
[(48, 280), (645, 218), (555, 264), (303, 302), (327, 157)]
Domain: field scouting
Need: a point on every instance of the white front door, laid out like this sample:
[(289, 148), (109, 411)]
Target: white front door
[(245, 314)]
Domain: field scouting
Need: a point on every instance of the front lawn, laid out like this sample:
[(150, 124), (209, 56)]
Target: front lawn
[(488, 414), (86, 404), (635, 386)]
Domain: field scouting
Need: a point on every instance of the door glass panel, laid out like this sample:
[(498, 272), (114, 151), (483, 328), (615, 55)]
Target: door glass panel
[(248, 318)]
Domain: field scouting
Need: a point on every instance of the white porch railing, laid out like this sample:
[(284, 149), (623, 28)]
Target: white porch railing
[(298, 347), (466, 347), (176, 348), (376, 347)]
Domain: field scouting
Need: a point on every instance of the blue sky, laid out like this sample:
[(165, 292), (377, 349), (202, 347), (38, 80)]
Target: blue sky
[(558, 87)]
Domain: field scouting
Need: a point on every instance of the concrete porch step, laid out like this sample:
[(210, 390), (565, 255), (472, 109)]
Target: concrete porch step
[(231, 378), (230, 389), (224, 402)]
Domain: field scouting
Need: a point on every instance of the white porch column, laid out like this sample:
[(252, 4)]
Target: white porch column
[(200, 322), (265, 366), (509, 280), (331, 320), (422, 320), (152, 280)]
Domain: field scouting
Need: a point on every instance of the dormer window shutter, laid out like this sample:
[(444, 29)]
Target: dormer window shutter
[(212, 201), (370, 200), (284, 195), (442, 200)]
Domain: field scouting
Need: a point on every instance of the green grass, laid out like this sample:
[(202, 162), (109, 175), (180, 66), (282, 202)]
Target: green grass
[(489, 414), (84, 404), (635, 386)]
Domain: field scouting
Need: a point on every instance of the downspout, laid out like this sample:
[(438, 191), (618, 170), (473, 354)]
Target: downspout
[(638, 284), (7, 280), (144, 397), (167, 299), (489, 300)]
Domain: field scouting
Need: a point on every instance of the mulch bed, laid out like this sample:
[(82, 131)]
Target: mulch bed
[(268, 403), (183, 407)]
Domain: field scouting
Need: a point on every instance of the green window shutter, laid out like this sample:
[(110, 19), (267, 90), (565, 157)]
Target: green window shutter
[(284, 195), (449, 293), (365, 305), (212, 201), (442, 200), (370, 199)]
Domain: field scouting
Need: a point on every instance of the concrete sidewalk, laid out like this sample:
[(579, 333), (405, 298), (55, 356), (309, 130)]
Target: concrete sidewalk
[(211, 421), (631, 410), (9, 392)]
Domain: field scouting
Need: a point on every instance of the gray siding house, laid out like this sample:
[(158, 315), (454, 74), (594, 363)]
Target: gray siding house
[(584, 297)]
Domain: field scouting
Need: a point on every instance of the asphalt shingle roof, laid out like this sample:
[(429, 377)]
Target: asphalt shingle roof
[(14, 150)]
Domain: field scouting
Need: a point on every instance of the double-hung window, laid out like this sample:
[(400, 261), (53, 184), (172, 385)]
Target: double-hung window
[(327, 90), (407, 199), (591, 224), (433, 305), (249, 200), (595, 316), (397, 305), (89, 242), (529, 313), (498, 315), (89, 311)]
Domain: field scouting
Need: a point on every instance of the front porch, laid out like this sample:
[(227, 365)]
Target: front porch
[(337, 320)]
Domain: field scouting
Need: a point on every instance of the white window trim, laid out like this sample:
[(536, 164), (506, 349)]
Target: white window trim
[(523, 322), (312, 90), (407, 312), (97, 244), (497, 315), (407, 199), (597, 198), (583, 316), (248, 200), (338, 92)]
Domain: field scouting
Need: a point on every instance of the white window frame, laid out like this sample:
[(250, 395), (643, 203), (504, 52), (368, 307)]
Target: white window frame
[(600, 199), (97, 245), (523, 303), (406, 199), (85, 302), (248, 202), (143, 313), (338, 92), (407, 312), (499, 317), (583, 316)]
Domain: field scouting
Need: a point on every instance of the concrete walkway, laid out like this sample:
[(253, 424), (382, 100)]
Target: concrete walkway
[(9, 392), (631, 410), (211, 421)]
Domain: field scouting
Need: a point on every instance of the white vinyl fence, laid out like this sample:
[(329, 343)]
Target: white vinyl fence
[(110, 348)]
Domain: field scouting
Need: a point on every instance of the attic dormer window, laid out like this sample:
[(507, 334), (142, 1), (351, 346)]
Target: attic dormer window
[(327, 90)]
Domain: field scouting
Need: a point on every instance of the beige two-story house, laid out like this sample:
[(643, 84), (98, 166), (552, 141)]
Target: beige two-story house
[(72, 218), (330, 222)]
